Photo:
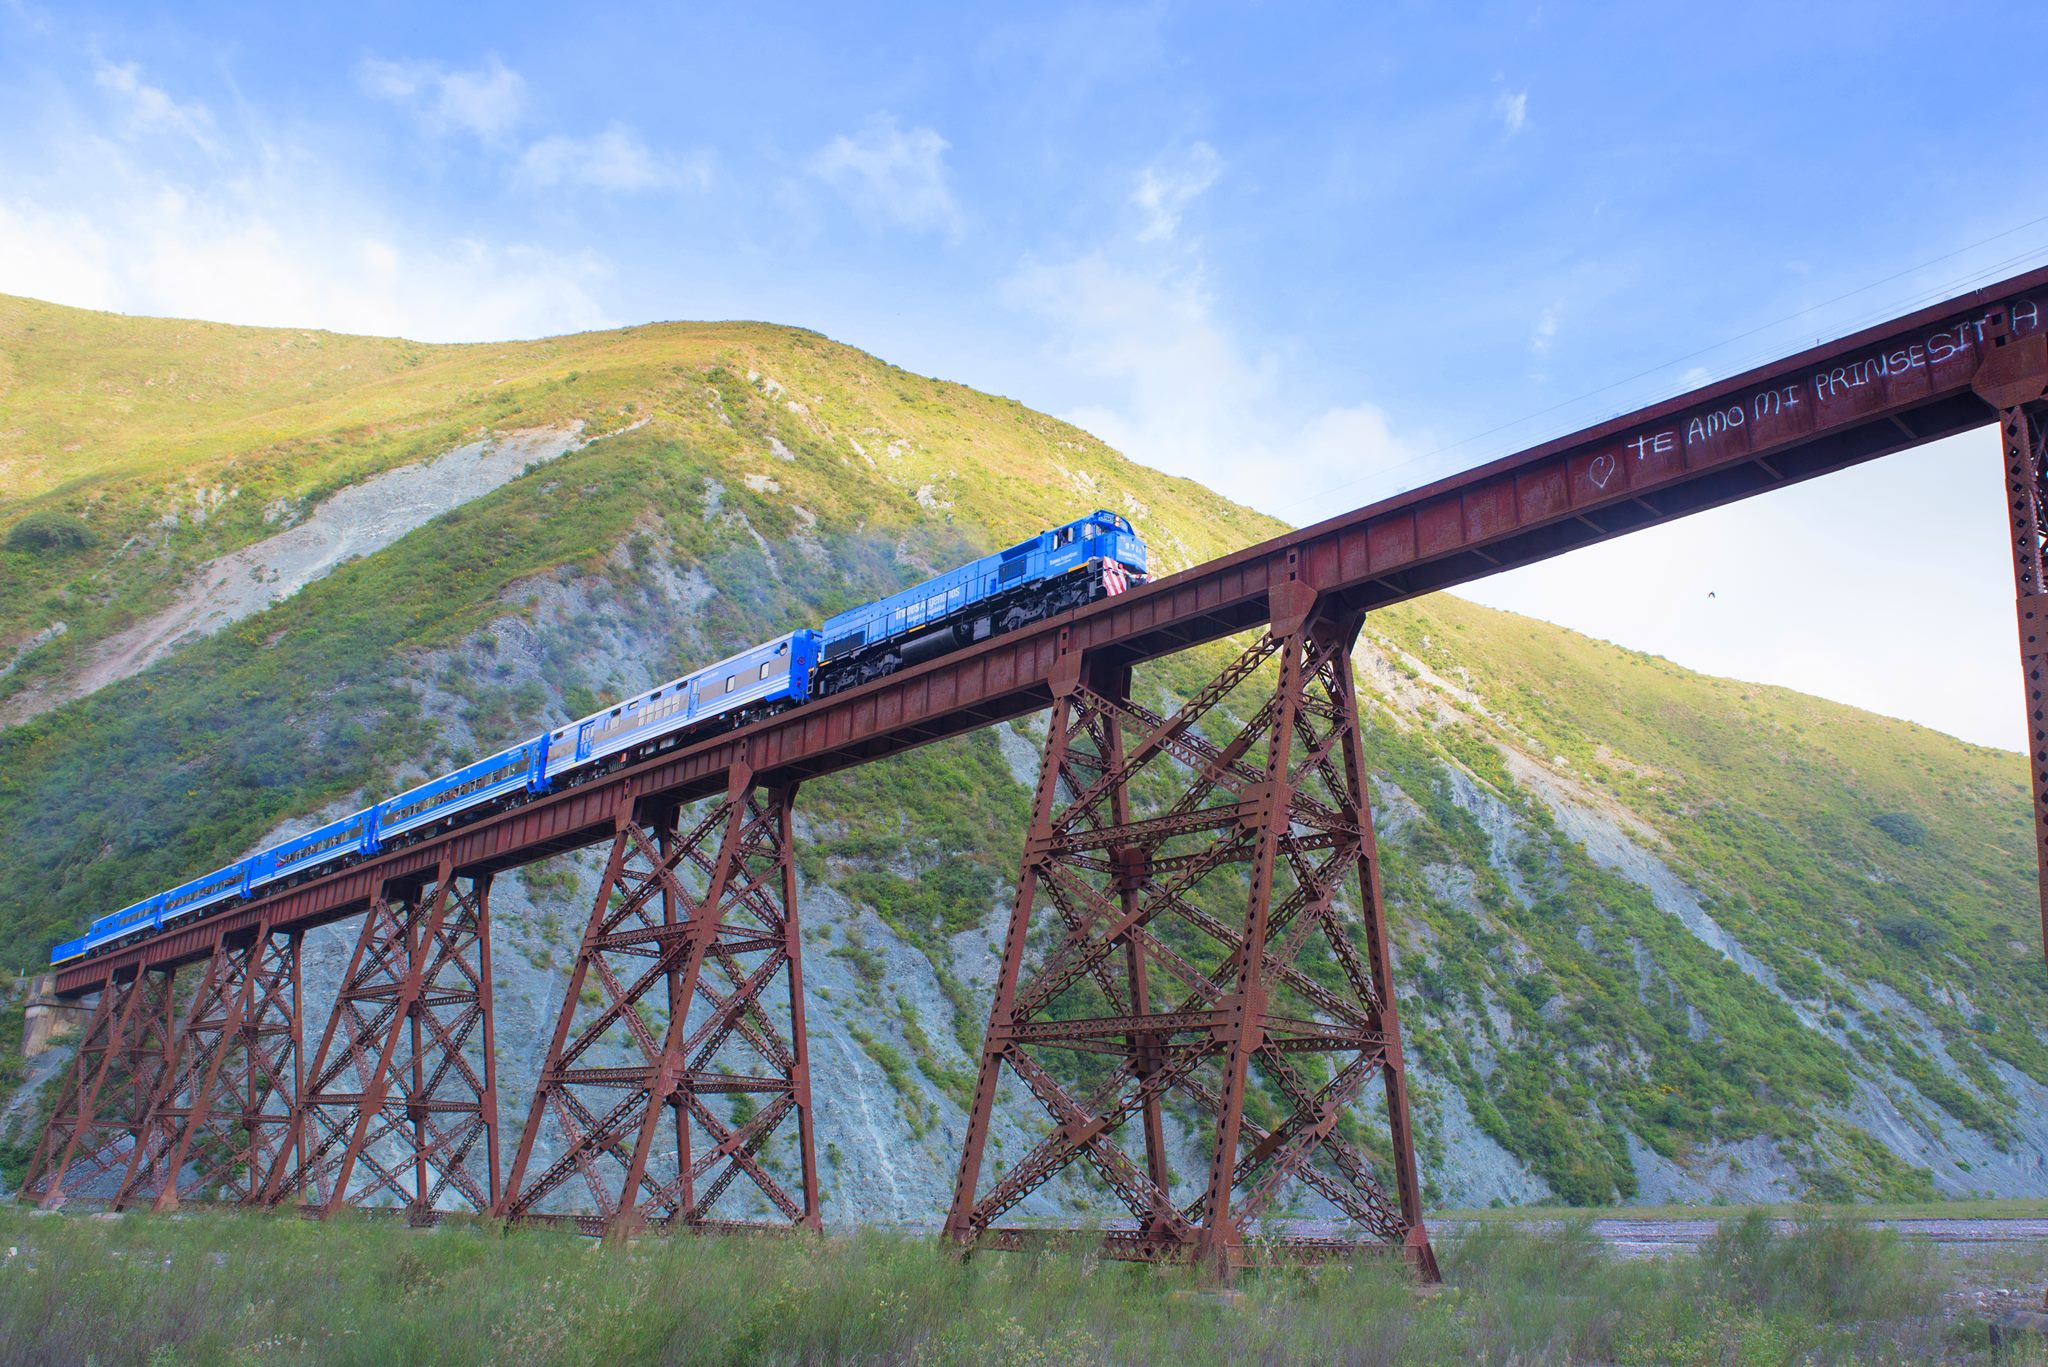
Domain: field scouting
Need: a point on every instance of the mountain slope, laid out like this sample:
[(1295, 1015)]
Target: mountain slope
[(1659, 935)]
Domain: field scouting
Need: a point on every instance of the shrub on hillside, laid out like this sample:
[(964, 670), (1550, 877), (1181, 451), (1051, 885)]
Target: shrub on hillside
[(58, 533), (1910, 932), (1823, 1269)]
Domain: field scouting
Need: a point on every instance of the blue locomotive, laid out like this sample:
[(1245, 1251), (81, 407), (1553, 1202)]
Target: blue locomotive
[(1055, 571), (1034, 579)]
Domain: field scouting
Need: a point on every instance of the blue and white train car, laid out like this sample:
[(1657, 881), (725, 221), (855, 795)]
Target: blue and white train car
[(351, 836), (774, 674), (189, 899), (119, 925), (524, 766)]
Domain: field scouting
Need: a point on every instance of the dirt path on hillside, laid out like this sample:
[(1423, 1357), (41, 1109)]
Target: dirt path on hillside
[(357, 521)]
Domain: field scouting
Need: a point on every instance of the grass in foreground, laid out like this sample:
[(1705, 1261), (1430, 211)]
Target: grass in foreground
[(237, 1289)]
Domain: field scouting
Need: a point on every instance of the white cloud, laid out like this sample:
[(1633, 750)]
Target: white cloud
[(271, 238), (1545, 332), (1164, 192), (892, 173), (1514, 110), (615, 159), (149, 109), (1175, 390), (486, 101), (55, 253), (32, 18)]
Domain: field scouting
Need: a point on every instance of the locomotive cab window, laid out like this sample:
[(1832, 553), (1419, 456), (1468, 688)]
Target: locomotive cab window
[(1063, 537)]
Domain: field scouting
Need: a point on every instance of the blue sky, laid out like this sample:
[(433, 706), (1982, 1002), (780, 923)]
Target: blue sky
[(1307, 254)]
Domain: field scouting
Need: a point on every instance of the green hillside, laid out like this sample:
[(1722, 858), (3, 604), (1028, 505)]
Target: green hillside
[(132, 449), (1568, 826)]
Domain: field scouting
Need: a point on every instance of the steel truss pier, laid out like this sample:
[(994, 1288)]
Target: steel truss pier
[(101, 1114), (222, 1112), (1208, 887), (401, 1106), (692, 967)]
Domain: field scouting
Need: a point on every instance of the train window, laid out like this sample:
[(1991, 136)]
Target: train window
[(1063, 537), (767, 667), (728, 683)]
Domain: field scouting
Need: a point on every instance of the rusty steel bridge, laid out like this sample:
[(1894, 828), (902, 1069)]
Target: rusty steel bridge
[(1122, 987)]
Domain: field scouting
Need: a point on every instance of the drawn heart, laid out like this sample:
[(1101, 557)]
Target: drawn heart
[(1601, 470)]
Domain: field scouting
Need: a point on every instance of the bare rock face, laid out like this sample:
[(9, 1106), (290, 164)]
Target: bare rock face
[(357, 521), (50, 1020)]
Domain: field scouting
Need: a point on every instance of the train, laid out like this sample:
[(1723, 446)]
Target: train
[(1062, 568)]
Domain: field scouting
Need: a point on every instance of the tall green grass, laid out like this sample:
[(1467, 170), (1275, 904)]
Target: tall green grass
[(206, 1288)]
